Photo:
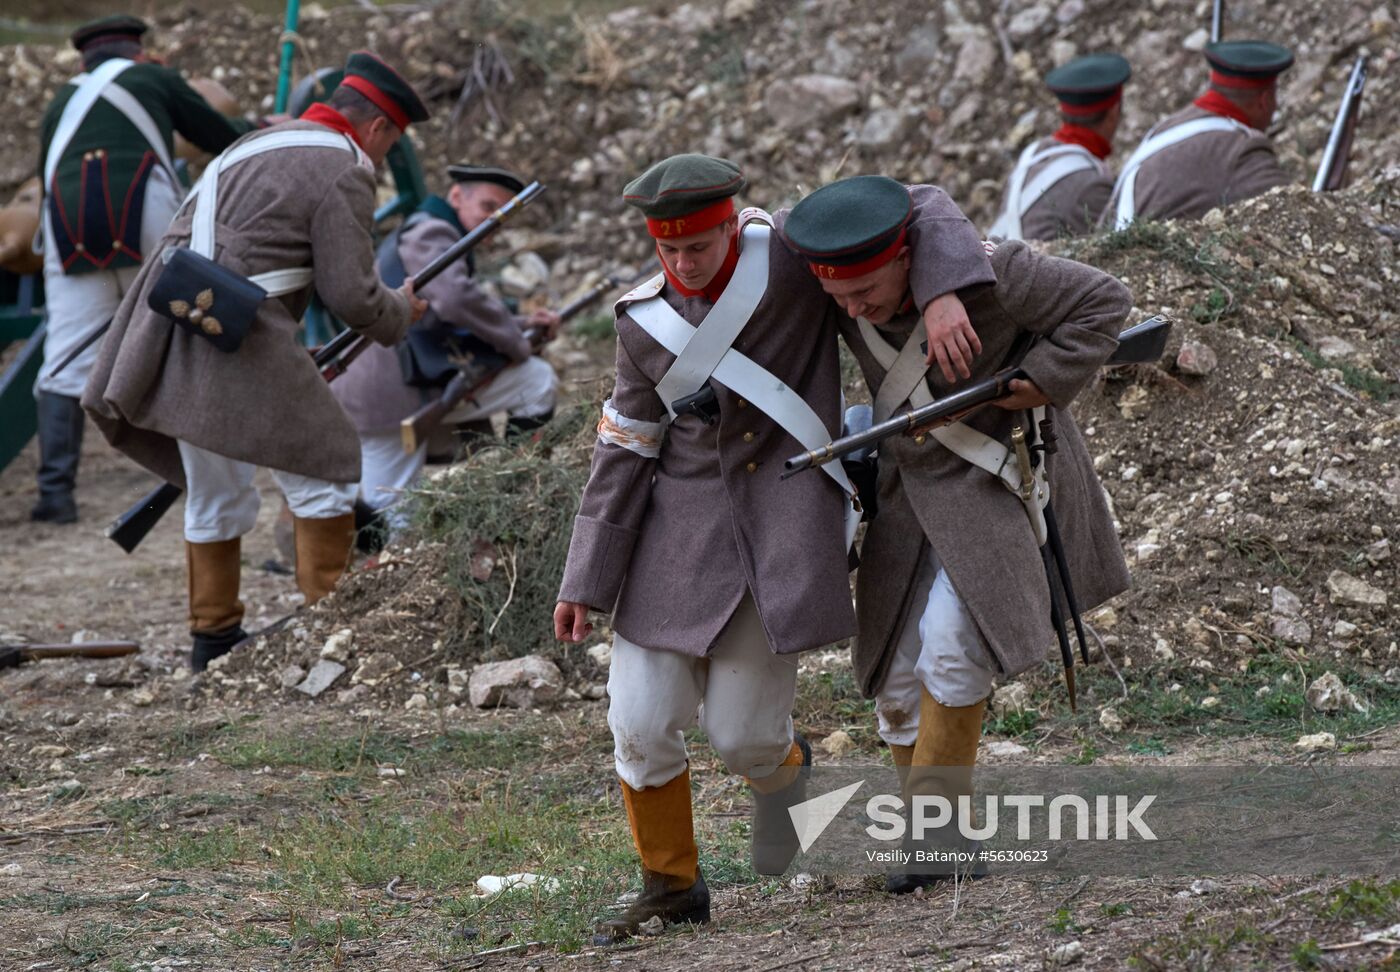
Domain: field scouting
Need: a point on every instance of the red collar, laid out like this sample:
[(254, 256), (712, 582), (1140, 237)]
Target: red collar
[(1217, 104), (715, 287), (323, 114), (1072, 134)]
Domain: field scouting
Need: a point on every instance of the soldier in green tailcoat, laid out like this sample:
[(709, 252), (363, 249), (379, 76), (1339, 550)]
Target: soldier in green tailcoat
[(105, 161)]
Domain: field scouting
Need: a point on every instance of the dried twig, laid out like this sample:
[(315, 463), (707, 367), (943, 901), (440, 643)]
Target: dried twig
[(512, 574)]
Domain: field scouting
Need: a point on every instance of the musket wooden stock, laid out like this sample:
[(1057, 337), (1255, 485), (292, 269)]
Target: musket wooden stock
[(14, 655), (1139, 344), (332, 358)]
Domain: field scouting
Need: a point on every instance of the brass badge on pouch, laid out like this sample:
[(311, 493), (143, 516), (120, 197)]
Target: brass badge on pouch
[(198, 315)]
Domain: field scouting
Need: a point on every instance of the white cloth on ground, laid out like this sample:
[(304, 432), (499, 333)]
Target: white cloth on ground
[(221, 501), (742, 690)]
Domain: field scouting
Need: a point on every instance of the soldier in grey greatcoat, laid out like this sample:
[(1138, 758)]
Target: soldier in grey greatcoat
[(1213, 153), (952, 592), (204, 418), (1060, 184), (716, 572)]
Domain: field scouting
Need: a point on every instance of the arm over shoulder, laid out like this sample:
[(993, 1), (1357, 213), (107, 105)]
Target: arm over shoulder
[(1076, 309), (947, 249)]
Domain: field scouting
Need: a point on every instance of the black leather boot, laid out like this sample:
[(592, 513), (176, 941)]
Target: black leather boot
[(687, 905), (371, 529), (208, 646), (773, 838), (60, 441)]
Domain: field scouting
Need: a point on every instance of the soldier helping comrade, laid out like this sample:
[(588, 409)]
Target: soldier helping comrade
[(107, 169), (1061, 184), (1213, 153), (952, 591), (717, 573), (375, 394), (292, 209)]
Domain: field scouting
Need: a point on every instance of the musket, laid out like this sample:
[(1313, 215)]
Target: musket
[(415, 429), (12, 656), (1217, 21), (1139, 344), (1332, 171), (332, 358)]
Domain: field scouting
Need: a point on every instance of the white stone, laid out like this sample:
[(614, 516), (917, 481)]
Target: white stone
[(1197, 40), (375, 669), (1004, 748), (519, 682), (919, 55), (489, 884), (1067, 954), (416, 701), (391, 772), (1110, 719), (457, 680), (337, 646), (1333, 348), (977, 59), (291, 676), (1029, 22), (839, 743), (1204, 886), (322, 675), (602, 654), (1196, 358), (1328, 694), (525, 274), (1342, 588), (1294, 631), (810, 99), (1013, 697), (1317, 742), (1344, 630), (1210, 702), (13, 869), (48, 751), (885, 128), (1285, 602)]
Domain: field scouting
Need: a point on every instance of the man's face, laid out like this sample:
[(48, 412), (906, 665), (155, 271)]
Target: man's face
[(694, 260), (878, 295), (476, 201)]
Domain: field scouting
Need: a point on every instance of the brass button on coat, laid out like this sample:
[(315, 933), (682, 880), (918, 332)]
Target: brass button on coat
[(748, 436), (743, 404), (752, 467)]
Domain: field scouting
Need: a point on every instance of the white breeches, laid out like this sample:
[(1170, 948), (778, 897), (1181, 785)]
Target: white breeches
[(743, 693), (525, 390), (940, 650), (221, 501), (79, 304)]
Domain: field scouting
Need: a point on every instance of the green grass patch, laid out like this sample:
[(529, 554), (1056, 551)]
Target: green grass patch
[(595, 327), (827, 701), (1370, 383), (1365, 901), (1016, 724), (348, 751)]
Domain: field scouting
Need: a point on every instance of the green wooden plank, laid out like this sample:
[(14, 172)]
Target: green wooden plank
[(17, 327), (17, 399)]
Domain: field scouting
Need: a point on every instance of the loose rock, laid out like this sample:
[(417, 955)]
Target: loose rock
[(519, 682)]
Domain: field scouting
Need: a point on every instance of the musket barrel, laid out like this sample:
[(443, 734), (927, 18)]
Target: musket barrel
[(1329, 171), (1217, 21), (456, 250)]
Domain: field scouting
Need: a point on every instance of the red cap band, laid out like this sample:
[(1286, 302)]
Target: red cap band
[(831, 271), (702, 219), (381, 101), (1093, 108), (1234, 81)]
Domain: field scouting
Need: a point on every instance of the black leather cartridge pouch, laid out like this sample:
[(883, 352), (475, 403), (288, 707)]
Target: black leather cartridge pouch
[(205, 298), (703, 404)]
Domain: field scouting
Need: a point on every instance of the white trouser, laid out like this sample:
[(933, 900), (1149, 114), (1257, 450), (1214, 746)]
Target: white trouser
[(221, 501), (78, 304), (743, 691), (943, 652), (525, 390)]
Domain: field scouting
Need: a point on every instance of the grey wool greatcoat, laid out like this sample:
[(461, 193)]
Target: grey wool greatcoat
[(373, 392), (1070, 207), (977, 527), (1212, 169), (264, 403), (673, 542)]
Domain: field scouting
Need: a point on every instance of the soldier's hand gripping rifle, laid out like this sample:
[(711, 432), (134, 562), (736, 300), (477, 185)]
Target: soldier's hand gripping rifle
[(1332, 172), (12, 656), (332, 358), (483, 368), (1140, 344)]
